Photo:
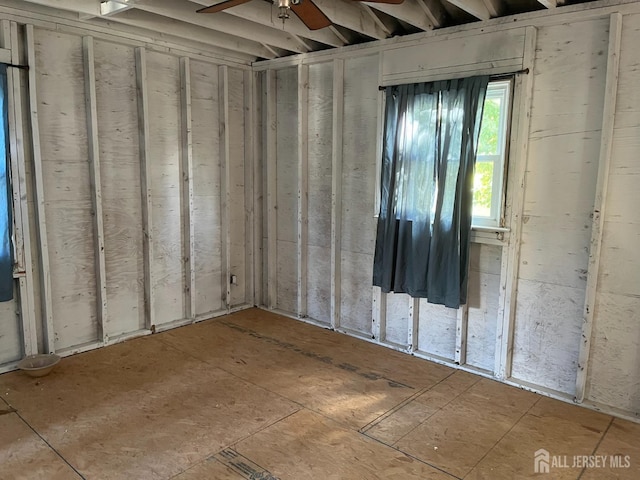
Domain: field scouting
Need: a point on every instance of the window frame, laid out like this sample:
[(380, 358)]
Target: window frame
[(498, 88)]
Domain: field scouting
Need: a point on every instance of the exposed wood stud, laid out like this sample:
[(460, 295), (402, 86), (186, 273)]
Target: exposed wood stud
[(45, 270), (272, 217), (225, 186), (336, 190), (462, 320), (22, 228), (250, 156), (188, 225), (511, 258), (599, 208), (145, 186), (303, 187), (96, 187)]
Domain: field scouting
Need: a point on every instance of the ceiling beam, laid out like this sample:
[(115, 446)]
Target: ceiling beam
[(263, 13), (159, 24), (111, 7), (548, 3), (436, 12), (349, 14), (495, 7), (386, 25), (140, 19), (477, 8), (221, 22), (409, 12)]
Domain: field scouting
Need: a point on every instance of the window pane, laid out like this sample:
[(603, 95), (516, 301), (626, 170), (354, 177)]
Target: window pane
[(482, 189), (490, 129)]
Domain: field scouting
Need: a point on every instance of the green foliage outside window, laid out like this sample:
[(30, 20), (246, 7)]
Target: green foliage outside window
[(488, 145)]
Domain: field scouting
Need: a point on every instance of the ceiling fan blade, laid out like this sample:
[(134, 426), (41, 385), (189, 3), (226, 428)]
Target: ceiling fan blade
[(392, 2), (222, 6), (311, 15)]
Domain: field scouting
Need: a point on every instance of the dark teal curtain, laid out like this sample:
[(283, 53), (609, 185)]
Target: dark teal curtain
[(6, 252), (430, 143)]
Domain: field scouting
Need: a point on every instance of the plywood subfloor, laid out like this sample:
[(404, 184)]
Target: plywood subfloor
[(256, 395)]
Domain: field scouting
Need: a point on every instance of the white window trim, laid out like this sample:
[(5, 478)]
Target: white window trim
[(497, 89)]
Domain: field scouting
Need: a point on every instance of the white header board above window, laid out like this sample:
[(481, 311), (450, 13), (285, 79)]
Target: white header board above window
[(454, 57)]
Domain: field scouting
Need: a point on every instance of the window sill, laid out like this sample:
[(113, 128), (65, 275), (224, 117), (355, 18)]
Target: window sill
[(482, 228), (489, 235)]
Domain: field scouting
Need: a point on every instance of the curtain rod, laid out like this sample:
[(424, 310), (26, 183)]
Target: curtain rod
[(524, 71)]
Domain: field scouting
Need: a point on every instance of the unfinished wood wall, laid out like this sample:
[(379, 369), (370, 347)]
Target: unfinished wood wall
[(526, 317), (144, 176)]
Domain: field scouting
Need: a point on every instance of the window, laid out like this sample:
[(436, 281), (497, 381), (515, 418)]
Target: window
[(488, 185)]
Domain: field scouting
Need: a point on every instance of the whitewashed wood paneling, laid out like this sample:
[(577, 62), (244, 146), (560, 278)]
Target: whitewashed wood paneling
[(559, 194), (320, 127), (10, 332), (205, 113), (237, 207), (63, 136), (614, 362), (432, 60), (164, 156), (397, 320), (482, 301), (437, 330), (358, 191), (614, 367), (120, 161), (546, 339), (287, 190)]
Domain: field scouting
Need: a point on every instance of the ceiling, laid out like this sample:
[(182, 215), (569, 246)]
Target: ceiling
[(254, 31)]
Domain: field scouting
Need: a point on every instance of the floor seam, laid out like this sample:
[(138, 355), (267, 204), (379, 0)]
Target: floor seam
[(402, 404), (438, 410), (502, 437), (49, 445), (410, 456), (595, 449)]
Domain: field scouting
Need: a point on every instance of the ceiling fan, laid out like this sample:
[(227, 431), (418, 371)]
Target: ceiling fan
[(306, 10)]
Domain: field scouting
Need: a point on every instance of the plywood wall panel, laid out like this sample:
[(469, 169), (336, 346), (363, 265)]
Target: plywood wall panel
[(565, 53), (614, 366), (68, 208), (358, 190), (437, 330), (483, 301), (614, 373), (237, 207), (205, 111), (320, 126), (560, 184), (287, 188), (355, 301), (164, 158), (397, 324), (120, 172), (546, 339), (10, 332)]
